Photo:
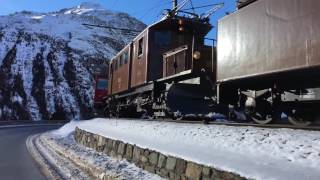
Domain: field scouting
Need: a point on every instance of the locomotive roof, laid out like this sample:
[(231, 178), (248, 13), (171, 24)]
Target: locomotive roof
[(118, 54), (197, 23)]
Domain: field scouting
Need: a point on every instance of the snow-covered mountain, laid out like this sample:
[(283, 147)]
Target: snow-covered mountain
[(47, 60)]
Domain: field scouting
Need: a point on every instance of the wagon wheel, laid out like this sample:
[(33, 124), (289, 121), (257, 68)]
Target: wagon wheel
[(262, 117), (298, 118), (263, 113)]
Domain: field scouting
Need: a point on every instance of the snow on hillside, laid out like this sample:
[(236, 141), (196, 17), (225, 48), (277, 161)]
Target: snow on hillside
[(47, 60), (254, 153)]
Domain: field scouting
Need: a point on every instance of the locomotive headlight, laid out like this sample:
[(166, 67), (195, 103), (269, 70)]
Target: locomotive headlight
[(196, 55), (181, 28)]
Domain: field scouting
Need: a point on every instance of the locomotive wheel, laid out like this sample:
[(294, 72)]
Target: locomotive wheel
[(299, 119), (178, 116), (148, 115), (107, 113)]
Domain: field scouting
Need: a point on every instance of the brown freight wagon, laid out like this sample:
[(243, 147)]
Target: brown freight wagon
[(268, 60), (270, 41)]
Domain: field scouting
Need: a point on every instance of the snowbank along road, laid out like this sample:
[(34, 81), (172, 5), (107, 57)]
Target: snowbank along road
[(254, 153)]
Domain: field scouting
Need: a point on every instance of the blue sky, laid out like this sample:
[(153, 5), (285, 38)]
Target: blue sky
[(147, 11)]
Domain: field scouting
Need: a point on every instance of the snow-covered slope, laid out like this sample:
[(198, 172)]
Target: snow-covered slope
[(47, 60)]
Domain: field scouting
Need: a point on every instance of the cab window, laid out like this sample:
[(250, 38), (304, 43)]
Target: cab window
[(102, 84)]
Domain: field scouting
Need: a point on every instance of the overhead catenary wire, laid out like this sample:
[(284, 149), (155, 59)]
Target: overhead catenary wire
[(157, 6), (127, 30), (212, 10), (200, 7), (132, 32), (192, 7)]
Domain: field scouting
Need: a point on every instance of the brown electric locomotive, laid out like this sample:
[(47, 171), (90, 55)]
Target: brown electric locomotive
[(265, 66), (143, 74)]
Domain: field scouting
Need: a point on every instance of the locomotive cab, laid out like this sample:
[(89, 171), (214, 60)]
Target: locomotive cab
[(175, 45), (183, 52), (186, 63)]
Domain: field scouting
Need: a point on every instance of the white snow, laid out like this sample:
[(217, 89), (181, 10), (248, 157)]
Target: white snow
[(67, 129), (17, 99), (38, 17), (251, 152), (96, 162)]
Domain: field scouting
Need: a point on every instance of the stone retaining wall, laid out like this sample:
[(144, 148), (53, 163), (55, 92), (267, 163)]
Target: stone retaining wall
[(152, 161)]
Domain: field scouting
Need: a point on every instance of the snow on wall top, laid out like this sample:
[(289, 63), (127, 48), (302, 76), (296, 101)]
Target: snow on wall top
[(251, 152)]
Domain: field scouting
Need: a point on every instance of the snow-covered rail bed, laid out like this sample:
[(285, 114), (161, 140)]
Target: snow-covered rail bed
[(62, 158), (280, 124), (252, 152)]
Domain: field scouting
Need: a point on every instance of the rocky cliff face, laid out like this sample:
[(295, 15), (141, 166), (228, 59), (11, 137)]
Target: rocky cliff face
[(47, 60)]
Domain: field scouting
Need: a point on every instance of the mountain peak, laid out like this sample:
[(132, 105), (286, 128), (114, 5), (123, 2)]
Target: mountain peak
[(90, 5), (84, 7)]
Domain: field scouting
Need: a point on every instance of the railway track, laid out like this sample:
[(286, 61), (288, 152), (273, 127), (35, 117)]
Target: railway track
[(235, 124)]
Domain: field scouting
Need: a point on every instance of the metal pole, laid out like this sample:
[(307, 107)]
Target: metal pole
[(192, 50), (174, 5), (212, 54)]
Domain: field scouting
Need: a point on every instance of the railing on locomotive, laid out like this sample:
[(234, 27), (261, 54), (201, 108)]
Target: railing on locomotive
[(213, 43)]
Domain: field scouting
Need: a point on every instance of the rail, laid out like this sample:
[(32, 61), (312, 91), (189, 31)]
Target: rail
[(231, 123)]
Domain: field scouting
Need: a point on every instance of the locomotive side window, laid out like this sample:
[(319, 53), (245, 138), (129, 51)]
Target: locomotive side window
[(115, 64), (162, 38), (124, 57), (111, 67), (120, 61), (140, 47)]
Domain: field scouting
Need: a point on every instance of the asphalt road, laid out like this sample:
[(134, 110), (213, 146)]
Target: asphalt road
[(15, 160)]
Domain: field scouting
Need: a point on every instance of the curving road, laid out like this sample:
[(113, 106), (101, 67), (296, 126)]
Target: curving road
[(15, 160)]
